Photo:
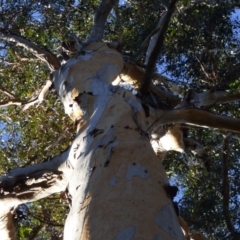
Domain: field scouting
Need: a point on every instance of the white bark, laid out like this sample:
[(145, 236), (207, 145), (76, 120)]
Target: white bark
[(117, 178)]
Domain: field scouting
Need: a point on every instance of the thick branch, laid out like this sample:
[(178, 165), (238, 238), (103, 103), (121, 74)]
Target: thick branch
[(22, 185), (134, 74), (100, 19), (156, 50), (40, 53), (196, 117), (28, 184), (208, 98)]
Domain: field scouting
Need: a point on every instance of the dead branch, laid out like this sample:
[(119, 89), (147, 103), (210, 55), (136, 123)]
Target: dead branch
[(100, 19), (157, 48), (40, 53)]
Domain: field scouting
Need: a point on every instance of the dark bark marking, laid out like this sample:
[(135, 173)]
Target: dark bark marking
[(76, 148), (106, 163), (80, 155), (95, 132)]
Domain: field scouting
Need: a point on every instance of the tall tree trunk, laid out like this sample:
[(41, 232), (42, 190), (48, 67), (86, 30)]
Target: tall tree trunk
[(116, 189)]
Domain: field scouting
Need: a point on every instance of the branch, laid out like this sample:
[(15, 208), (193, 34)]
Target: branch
[(203, 68), (168, 83), (164, 95), (100, 19), (194, 117), (188, 233), (40, 53), (41, 96), (15, 102), (38, 99), (134, 74), (145, 44), (165, 19), (22, 185), (198, 150), (6, 92), (225, 184), (208, 98)]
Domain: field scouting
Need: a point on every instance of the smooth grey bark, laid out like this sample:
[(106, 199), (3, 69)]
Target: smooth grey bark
[(100, 19)]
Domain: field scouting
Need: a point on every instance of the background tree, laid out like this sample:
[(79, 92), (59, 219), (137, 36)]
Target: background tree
[(200, 57)]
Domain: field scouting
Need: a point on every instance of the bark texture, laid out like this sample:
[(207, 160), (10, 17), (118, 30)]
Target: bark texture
[(117, 179)]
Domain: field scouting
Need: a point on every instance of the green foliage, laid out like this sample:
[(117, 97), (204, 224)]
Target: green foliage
[(201, 52)]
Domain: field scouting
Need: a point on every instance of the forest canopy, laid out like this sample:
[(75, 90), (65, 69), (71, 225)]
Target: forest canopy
[(200, 53)]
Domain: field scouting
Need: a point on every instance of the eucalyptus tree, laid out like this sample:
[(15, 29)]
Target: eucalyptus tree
[(110, 171)]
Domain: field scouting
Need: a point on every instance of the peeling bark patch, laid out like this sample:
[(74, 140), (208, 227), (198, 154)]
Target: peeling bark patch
[(167, 221), (113, 181), (127, 233), (136, 170)]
